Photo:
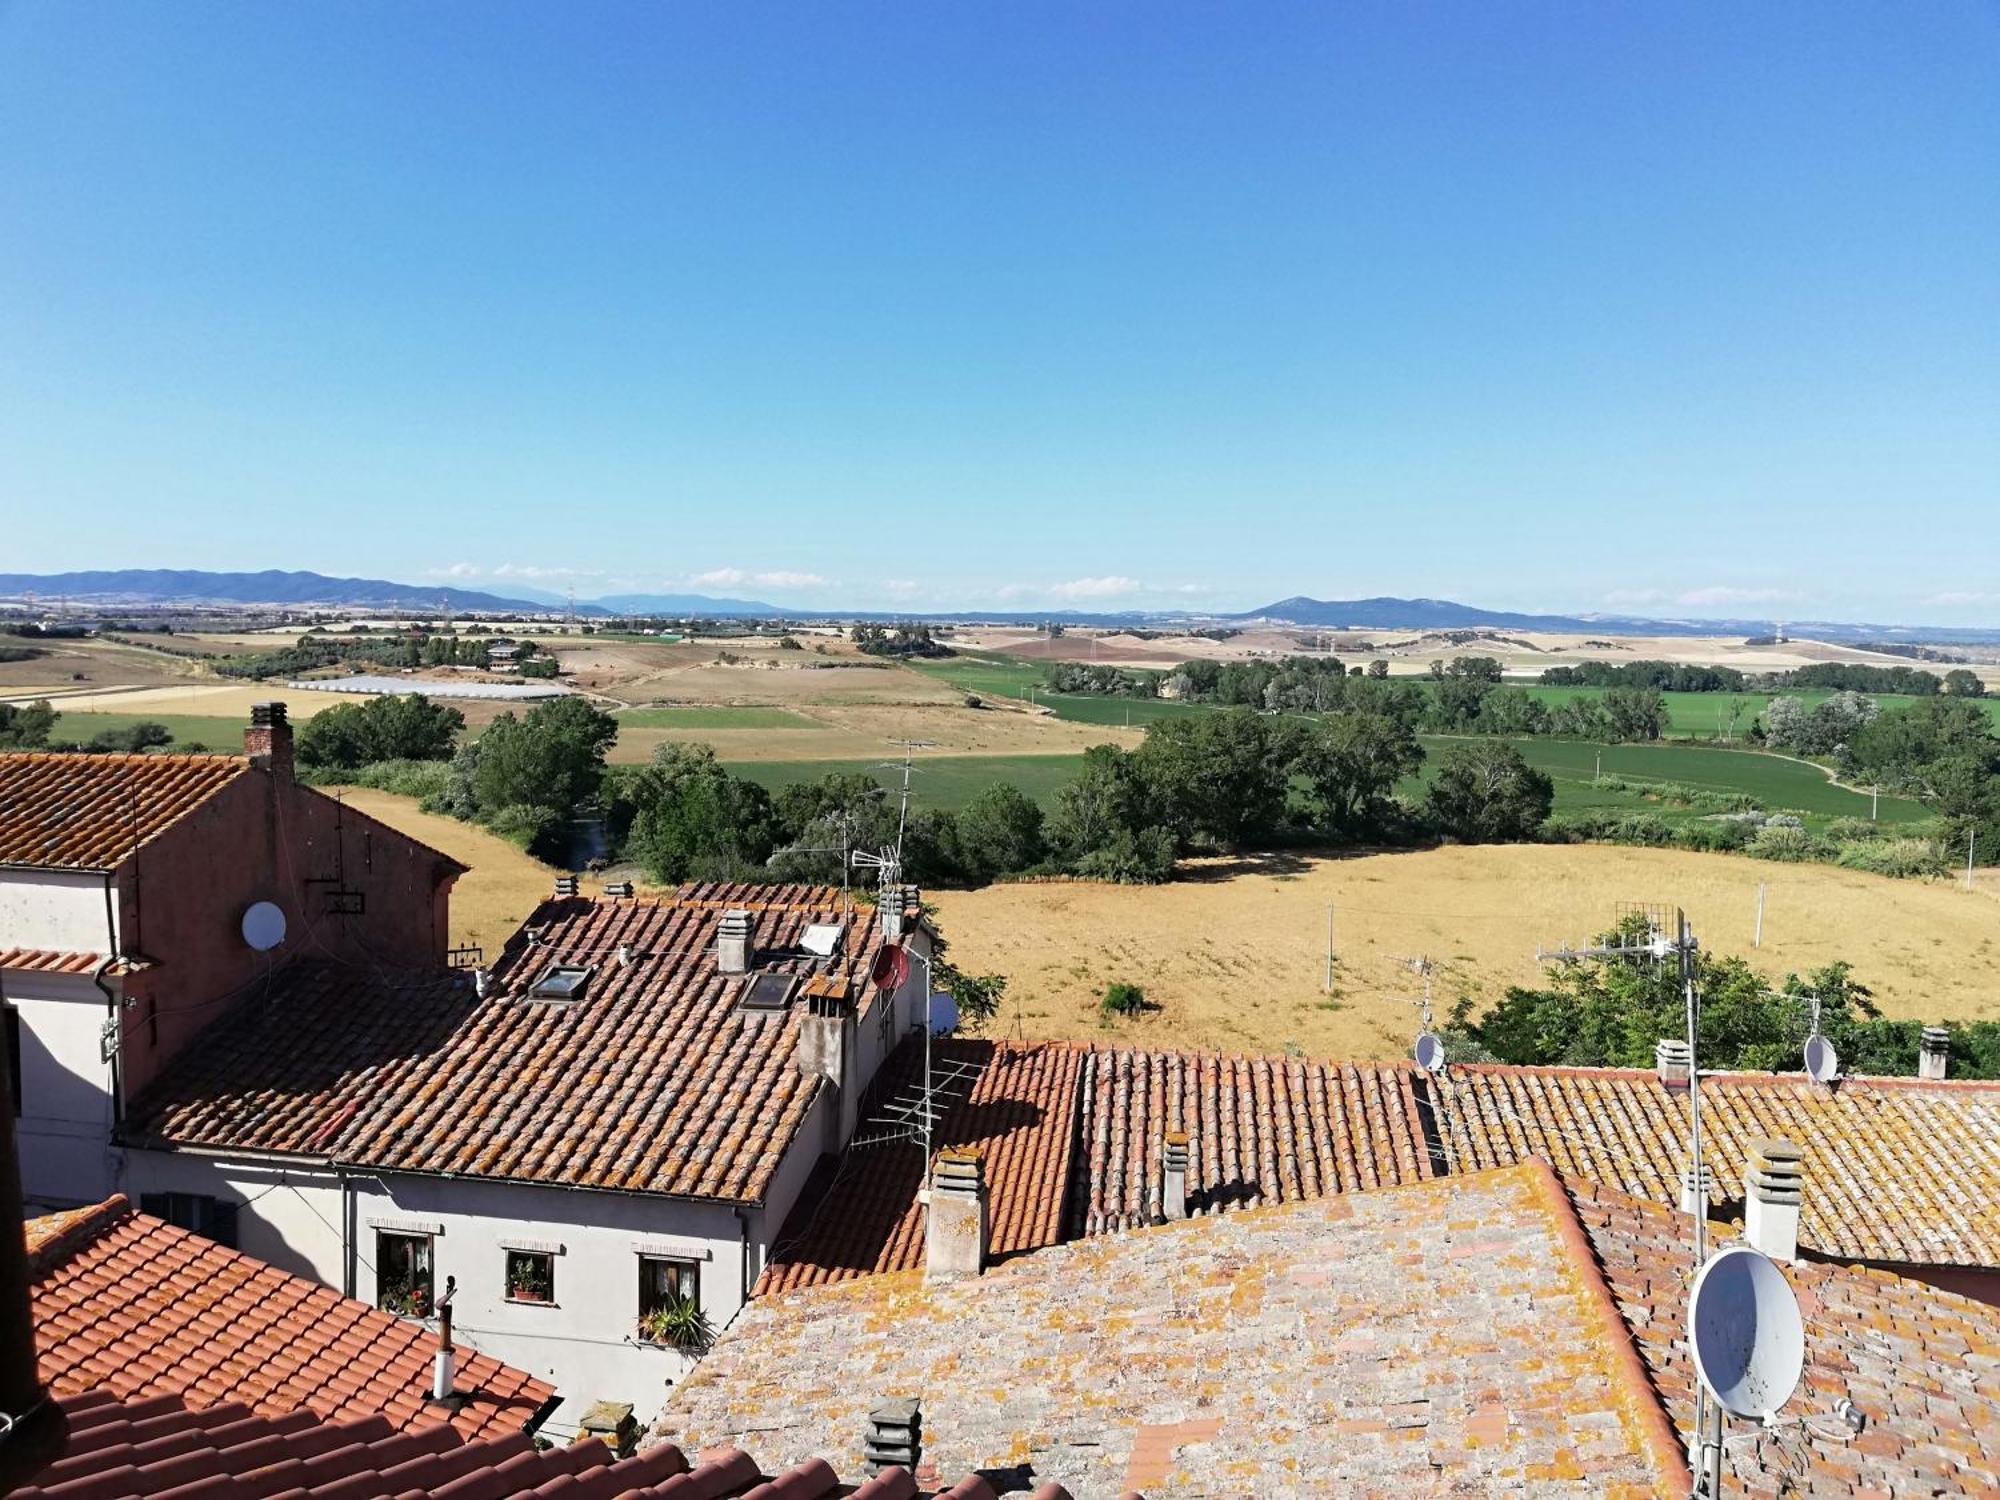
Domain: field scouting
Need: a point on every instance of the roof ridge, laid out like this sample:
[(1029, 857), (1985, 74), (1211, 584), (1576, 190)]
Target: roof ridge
[(1634, 1383), (71, 1232)]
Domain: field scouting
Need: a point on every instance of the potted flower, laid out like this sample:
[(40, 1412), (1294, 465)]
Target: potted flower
[(679, 1323), (407, 1300), (527, 1281)]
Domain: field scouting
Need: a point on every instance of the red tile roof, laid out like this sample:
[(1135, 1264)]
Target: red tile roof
[(91, 811), (1922, 1364), (133, 1449), (1442, 1337), (52, 961), (1072, 1136), (650, 1083), (1896, 1170), (129, 1306)]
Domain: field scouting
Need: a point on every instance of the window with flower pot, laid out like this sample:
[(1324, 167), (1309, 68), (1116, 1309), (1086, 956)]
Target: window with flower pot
[(670, 1304), (531, 1276), (403, 1283)]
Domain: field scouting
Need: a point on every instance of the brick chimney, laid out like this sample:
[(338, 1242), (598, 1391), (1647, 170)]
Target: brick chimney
[(955, 1228), (1674, 1061), (735, 942), (1773, 1185), (268, 740), (1934, 1053), (1174, 1177)]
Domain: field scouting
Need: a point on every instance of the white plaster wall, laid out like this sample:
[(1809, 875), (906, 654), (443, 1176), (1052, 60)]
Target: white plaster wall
[(66, 1113), (61, 910), (583, 1343)]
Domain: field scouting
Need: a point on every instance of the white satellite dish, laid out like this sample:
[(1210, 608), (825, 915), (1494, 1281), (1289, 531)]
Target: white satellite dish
[(943, 1014), (1744, 1327), (263, 925), (1430, 1052), (1822, 1062)]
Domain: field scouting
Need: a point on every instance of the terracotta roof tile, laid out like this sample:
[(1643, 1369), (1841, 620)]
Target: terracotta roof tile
[(650, 1083), (1360, 1344), (127, 1302), (52, 961), (91, 811)]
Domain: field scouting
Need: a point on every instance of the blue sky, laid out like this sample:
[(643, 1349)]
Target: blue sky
[(1678, 309)]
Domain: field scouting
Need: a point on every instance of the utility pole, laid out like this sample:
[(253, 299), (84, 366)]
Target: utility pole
[(1329, 948), (1600, 767), (1759, 941), (1971, 838), (1875, 804)]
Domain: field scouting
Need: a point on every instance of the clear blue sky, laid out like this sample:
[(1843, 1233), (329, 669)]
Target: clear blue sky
[(1680, 308)]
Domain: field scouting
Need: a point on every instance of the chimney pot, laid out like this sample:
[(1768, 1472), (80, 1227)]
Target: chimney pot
[(268, 740), (1934, 1055), (1697, 1190), (895, 1435), (955, 1229), (1174, 1176), (1773, 1188), (825, 1028), (566, 887), (1675, 1062), (445, 1373), (893, 906), (735, 942)]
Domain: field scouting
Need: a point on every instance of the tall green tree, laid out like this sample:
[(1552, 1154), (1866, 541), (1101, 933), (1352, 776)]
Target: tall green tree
[(1352, 761), (1220, 777), (1485, 792), (693, 818)]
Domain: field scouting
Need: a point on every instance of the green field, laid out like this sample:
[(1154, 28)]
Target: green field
[(210, 731), (997, 677), (944, 781), (1705, 715), (1778, 785), (715, 718)]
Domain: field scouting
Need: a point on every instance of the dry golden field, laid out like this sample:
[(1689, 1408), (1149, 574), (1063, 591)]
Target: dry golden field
[(504, 884), (870, 731), (1236, 957)]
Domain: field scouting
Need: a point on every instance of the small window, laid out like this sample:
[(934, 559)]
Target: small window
[(531, 1276), (403, 1273), (561, 982), (670, 1304), (196, 1211)]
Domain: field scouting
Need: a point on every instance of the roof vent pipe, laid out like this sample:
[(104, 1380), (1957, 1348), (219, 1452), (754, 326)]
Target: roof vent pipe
[(734, 940), (895, 1436), (1934, 1055), (482, 981), (1773, 1188), (444, 1374), (1174, 1177), (1697, 1190), (565, 887), (1675, 1061)]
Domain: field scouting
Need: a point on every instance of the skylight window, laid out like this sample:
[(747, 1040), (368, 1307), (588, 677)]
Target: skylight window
[(823, 938), (767, 994), (560, 982)]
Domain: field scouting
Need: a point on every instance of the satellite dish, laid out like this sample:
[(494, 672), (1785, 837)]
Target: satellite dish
[(263, 925), (892, 968), (943, 1015), (1744, 1327), (1430, 1052), (1822, 1062)]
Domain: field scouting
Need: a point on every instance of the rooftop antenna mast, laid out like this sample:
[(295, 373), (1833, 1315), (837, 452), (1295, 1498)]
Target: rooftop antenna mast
[(906, 765)]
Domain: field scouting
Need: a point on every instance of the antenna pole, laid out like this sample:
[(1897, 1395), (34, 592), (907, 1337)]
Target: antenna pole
[(1707, 1456)]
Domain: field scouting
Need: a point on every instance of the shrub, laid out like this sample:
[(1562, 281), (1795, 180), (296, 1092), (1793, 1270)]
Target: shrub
[(1643, 829), (524, 824), (1783, 841), (1715, 836), (1899, 856), (1123, 1000)]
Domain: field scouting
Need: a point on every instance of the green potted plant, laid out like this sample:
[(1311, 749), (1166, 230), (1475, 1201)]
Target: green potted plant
[(407, 1300), (679, 1323), (527, 1281)]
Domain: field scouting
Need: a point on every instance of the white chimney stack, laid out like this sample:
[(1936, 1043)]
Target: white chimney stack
[(1934, 1055), (1773, 1186), (955, 1228), (444, 1374), (1697, 1190), (482, 981), (1174, 1177), (735, 941), (1675, 1061)]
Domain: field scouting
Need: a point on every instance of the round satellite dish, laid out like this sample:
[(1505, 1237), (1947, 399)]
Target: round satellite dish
[(1430, 1052), (1743, 1324), (264, 925), (943, 1015), (1822, 1062), (891, 969)]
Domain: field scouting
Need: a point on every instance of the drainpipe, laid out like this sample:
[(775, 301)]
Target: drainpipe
[(743, 1229), (111, 1007)]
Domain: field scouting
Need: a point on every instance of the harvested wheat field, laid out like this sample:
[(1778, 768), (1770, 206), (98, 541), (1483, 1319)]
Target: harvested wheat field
[(1235, 957), (864, 732), (503, 886)]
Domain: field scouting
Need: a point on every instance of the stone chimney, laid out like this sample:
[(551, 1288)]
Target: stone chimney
[(1697, 1189), (735, 942), (1773, 1186), (1174, 1177), (895, 1436), (268, 740), (955, 1228), (1674, 1060), (894, 907), (1934, 1053), (566, 888), (827, 1028)]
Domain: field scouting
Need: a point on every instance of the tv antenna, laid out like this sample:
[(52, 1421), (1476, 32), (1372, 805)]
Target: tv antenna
[(1822, 1062), (907, 765), (1429, 1049)]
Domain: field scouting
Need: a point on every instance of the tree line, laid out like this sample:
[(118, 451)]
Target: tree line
[(1677, 677)]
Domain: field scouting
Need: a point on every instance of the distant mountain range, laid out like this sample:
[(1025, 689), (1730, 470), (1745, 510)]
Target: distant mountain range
[(155, 587)]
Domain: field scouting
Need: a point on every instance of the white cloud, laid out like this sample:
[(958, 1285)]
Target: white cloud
[(456, 570), (901, 588), (1959, 598), (1110, 586), (737, 577)]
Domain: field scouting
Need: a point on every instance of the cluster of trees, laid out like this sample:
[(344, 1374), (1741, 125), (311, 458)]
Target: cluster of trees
[(315, 652), (527, 776), (31, 726), (1661, 676), (403, 726), (1611, 1012), (1101, 681), (902, 641), (26, 726), (1674, 677), (1911, 682)]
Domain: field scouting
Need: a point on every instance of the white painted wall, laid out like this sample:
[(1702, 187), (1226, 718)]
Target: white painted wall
[(60, 910), (66, 1111)]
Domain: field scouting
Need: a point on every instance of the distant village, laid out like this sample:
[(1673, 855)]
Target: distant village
[(708, 1193)]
